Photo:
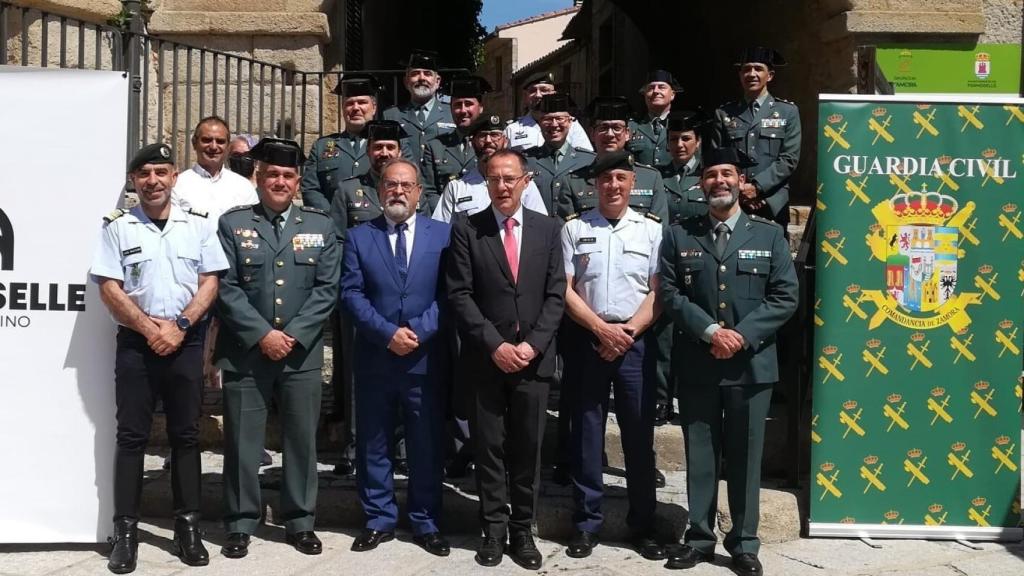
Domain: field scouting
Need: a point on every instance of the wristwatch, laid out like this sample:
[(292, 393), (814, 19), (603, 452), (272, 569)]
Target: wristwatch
[(183, 323)]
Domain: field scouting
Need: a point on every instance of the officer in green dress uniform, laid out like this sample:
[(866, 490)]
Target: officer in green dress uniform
[(280, 288), (424, 117), (341, 155), (767, 129), (728, 282), (647, 140), (451, 156), (609, 130), (681, 175), (553, 163)]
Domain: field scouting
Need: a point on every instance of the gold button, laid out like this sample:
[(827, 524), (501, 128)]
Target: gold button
[(755, 270), (311, 261), (248, 260), (279, 282), (721, 305), (721, 287), (280, 263), (721, 323), (721, 268), (558, 184), (278, 301), (277, 321)]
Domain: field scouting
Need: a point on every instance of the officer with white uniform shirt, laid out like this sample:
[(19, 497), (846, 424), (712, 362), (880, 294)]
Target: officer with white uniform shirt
[(611, 258), (469, 193), (207, 186), (525, 132)]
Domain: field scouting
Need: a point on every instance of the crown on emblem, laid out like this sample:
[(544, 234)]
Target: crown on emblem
[(917, 336), (880, 111), (833, 234), (891, 515), (835, 118), (1006, 324), (984, 268), (894, 398), (935, 508), (871, 460), (945, 159), (989, 153), (1009, 207), (923, 106), (875, 228), (938, 391), (874, 343), (981, 385), (850, 404), (1003, 440), (982, 56), (830, 349), (914, 453), (962, 331), (923, 207), (979, 502), (958, 446), (827, 466), (853, 288), (848, 520)]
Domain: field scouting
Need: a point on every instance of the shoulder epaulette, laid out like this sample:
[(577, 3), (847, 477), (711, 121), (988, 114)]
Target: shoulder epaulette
[(653, 216), (313, 210), (790, 102), (200, 213), (584, 150), (114, 215), (572, 216), (237, 208), (642, 165)]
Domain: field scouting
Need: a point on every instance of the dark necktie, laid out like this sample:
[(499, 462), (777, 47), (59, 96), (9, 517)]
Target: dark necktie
[(421, 115), (657, 125), (276, 223), (755, 107), (721, 238), (401, 260)]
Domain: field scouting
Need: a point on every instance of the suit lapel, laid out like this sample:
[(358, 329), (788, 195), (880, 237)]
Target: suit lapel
[(264, 227), (380, 235), (420, 239), (740, 236), (532, 242), (707, 240), (292, 228), (489, 227), (647, 130)]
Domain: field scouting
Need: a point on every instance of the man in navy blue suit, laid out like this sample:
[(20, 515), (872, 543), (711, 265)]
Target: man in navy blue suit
[(391, 287)]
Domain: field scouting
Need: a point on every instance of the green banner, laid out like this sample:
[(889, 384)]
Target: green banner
[(916, 427), (951, 68)]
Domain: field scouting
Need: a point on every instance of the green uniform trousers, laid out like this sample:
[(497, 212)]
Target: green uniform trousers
[(246, 399), (735, 416)]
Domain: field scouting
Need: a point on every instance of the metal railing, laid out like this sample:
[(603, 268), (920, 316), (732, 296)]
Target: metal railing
[(79, 44)]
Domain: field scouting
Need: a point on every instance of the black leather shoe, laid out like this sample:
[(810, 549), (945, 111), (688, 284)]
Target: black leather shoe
[(581, 545), (266, 460), (648, 546), (662, 414), (489, 552), (687, 556), (305, 542), (124, 551), (369, 539), (236, 545), (659, 479), (344, 467), (524, 552), (188, 540), (402, 467), (434, 543), (747, 565)]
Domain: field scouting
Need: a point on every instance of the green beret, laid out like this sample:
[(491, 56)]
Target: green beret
[(151, 154)]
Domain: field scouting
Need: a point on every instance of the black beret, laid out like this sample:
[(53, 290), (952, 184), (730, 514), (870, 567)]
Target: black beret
[(605, 108), (358, 85), (685, 120), (663, 76), (385, 130), (718, 156), (422, 59), (487, 123), (279, 152), (618, 160), (467, 86), (556, 102), (151, 154), (545, 78), (767, 56)]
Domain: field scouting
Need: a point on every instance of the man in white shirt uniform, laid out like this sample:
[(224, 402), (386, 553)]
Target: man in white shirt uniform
[(525, 133)]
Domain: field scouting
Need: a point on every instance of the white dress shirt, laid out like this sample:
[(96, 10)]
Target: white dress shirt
[(517, 231), (198, 190), (469, 194), (410, 233)]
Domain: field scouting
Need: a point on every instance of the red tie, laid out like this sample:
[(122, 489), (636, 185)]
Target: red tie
[(511, 252)]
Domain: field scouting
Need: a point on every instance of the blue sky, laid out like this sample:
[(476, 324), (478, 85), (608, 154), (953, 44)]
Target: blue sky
[(497, 12)]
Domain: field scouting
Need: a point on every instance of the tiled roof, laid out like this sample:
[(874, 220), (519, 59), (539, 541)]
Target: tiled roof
[(537, 18)]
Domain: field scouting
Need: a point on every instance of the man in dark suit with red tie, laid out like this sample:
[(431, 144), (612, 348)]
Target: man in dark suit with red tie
[(506, 285)]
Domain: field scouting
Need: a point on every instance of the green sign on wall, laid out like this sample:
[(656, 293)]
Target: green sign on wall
[(951, 68), (918, 338)]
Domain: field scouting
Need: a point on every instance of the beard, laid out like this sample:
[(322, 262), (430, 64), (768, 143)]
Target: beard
[(422, 91), (725, 202), (397, 211)]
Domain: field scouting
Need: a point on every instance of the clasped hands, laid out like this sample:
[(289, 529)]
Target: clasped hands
[(166, 338), (276, 345), (403, 341), (725, 343), (513, 357), (614, 339), (749, 199)]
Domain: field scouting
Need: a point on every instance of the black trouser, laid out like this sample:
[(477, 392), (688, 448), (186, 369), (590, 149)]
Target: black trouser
[(140, 377), (507, 428)]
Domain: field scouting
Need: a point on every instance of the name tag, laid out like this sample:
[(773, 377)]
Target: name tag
[(302, 241), (519, 135), (753, 254), (691, 253), (130, 251), (249, 244), (773, 123), (446, 125), (463, 199), (642, 192), (587, 240)]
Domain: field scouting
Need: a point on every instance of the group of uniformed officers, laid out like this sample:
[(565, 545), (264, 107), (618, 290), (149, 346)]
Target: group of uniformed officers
[(464, 266)]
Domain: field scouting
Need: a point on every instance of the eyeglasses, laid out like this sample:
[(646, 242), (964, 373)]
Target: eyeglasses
[(392, 185), (556, 119), (506, 180), (616, 129), (494, 136)]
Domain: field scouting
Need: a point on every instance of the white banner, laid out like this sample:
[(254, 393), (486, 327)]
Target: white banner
[(62, 165)]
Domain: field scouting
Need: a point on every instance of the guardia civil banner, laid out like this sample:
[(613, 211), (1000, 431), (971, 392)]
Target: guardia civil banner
[(916, 426)]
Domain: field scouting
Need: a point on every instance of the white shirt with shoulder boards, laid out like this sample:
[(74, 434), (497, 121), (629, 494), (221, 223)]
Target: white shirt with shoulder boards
[(612, 266), (159, 268), (469, 194), (525, 133), (410, 235), (198, 190)]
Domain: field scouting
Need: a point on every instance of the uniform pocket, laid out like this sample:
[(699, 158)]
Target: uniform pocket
[(137, 269), (752, 276)]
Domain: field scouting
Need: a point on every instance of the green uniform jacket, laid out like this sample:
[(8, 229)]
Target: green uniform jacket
[(357, 202), (556, 184), (444, 161), (649, 143), (685, 198), (332, 159), (438, 122), (289, 284), (772, 139), (647, 197), (752, 289)]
